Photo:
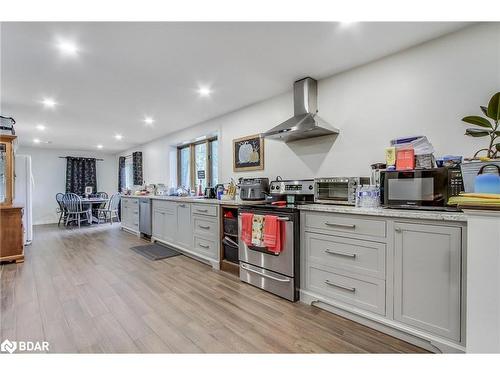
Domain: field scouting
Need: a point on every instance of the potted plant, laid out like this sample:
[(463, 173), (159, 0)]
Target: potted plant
[(487, 127)]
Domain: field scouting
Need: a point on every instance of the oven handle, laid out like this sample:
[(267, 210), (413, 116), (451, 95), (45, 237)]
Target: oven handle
[(264, 275), (284, 218)]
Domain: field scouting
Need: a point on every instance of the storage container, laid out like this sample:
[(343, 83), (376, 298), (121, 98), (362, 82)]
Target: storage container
[(231, 225), (230, 250)]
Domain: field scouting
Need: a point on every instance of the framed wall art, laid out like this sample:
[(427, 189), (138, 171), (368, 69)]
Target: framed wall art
[(248, 153)]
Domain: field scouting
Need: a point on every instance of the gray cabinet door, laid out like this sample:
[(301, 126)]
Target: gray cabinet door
[(125, 213), (184, 226), (427, 273), (158, 224), (170, 226)]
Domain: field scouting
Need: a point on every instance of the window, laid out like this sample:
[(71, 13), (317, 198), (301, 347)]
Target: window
[(201, 158), (184, 155)]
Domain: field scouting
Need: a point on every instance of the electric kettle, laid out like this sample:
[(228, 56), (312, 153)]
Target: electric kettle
[(487, 182)]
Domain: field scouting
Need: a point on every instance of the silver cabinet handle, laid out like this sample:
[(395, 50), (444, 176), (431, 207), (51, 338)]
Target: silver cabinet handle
[(331, 252), (349, 226), (286, 280), (204, 246), (398, 230), (204, 226), (198, 210), (182, 205), (349, 289)]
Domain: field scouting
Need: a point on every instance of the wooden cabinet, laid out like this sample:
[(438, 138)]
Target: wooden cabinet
[(427, 274), (6, 169), (11, 216)]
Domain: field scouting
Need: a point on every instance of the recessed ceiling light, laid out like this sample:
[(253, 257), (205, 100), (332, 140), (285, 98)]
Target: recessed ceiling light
[(119, 137), (36, 140), (149, 120), (40, 127), (49, 102), (99, 146), (204, 91), (67, 47)]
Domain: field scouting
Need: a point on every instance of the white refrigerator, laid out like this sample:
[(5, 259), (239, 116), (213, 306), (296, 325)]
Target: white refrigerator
[(24, 192)]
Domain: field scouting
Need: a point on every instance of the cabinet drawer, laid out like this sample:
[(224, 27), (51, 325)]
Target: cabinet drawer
[(205, 209), (346, 224), (367, 295), (205, 226), (205, 247), (164, 205), (358, 256)]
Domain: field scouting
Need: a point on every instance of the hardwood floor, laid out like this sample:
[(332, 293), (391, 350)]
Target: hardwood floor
[(86, 291)]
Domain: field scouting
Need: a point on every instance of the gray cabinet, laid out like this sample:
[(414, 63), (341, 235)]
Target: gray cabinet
[(184, 227), (158, 224), (130, 214), (427, 274)]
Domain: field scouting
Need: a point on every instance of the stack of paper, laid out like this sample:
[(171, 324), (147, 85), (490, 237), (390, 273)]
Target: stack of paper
[(420, 144)]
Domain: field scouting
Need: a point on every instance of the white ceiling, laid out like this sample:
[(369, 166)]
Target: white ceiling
[(126, 71)]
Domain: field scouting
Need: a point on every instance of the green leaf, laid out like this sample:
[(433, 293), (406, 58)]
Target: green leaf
[(494, 107), (478, 120), (477, 132), (484, 109)]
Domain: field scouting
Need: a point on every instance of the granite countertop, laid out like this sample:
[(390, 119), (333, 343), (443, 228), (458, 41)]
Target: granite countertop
[(387, 212), (186, 199)]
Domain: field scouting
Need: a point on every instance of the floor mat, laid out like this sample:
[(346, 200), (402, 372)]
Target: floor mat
[(155, 252)]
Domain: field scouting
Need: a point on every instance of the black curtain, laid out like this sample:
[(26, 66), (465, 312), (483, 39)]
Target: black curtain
[(80, 172), (121, 173), (137, 167)]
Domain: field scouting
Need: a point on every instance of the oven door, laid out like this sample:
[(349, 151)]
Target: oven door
[(332, 192), (418, 188), (283, 262)]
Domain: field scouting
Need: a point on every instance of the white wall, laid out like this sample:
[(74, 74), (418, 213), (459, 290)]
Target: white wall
[(423, 90), (49, 174)]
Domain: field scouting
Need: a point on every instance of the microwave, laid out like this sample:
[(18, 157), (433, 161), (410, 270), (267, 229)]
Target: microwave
[(422, 188), (338, 190)]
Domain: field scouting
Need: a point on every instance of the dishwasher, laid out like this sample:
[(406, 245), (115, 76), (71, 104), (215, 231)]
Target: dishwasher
[(145, 216)]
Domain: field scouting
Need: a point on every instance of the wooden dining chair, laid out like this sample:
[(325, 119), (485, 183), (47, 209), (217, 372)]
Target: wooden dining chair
[(111, 210), (74, 209)]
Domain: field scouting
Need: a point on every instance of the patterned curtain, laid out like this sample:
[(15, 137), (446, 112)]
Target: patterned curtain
[(137, 167), (80, 172), (121, 173)]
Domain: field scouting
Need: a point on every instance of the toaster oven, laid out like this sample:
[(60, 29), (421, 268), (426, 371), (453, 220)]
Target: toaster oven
[(338, 190)]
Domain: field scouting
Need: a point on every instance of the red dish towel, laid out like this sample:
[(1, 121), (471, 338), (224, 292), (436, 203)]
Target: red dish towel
[(273, 233), (246, 227)]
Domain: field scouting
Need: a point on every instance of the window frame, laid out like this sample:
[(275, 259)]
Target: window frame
[(192, 161)]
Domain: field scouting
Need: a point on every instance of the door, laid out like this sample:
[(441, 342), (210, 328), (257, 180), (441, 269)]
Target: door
[(184, 226), (427, 274), (169, 230), (125, 214), (158, 224)]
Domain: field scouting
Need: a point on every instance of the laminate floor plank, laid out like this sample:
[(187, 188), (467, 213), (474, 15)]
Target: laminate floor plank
[(85, 291)]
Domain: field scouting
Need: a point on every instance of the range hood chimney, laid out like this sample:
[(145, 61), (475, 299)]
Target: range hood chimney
[(305, 123)]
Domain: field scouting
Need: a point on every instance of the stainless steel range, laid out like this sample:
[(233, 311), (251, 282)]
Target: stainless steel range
[(277, 273)]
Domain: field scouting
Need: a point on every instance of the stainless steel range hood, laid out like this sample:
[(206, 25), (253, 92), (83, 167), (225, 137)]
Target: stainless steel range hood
[(305, 123)]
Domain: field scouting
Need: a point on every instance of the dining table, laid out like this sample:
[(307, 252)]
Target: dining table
[(94, 201)]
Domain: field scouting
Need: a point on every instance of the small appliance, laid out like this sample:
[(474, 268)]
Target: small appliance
[(423, 188), (488, 183), (338, 190), (161, 189), (254, 189)]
